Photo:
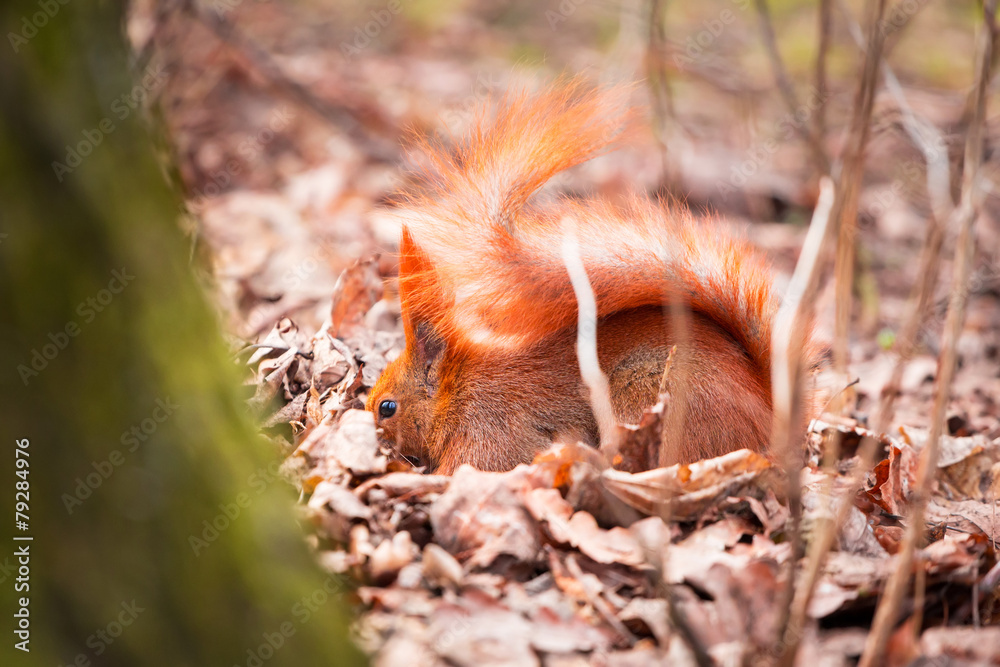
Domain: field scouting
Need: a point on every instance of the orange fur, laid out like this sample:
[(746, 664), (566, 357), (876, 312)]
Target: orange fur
[(489, 374)]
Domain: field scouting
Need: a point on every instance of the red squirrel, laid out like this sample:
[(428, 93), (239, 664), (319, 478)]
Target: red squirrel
[(489, 373)]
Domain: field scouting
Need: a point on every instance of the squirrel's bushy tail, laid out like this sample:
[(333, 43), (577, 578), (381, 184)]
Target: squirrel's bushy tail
[(483, 266)]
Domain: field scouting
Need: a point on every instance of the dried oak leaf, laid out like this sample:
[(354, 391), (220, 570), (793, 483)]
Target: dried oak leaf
[(358, 289), (645, 616), (894, 477), (969, 515), (408, 485), (329, 364), (643, 654), (967, 465), (273, 374), (293, 411), (703, 618), (854, 571), (838, 646), (849, 432), (484, 632), (391, 556), (639, 446), (828, 598), (957, 556), (351, 445), (951, 450), (856, 535), (403, 647), (481, 637), (575, 469), (772, 514), (282, 337), (688, 490), (977, 645), (848, 578), (580, 529), (976, 475), (747, 599), (889, 538), (553, 633), (691, 559), (335, 508), (482, 516), (439, 567)]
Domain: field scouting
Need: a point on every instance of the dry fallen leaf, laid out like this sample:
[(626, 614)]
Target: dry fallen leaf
[(391, 556), (358, 289), (440, 567), (481, 516), (977, 645), (691, 489), (349, 446), (580, 529), (411, 485)]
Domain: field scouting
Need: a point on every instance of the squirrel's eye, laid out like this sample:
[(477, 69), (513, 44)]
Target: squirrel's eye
[(386, 409)]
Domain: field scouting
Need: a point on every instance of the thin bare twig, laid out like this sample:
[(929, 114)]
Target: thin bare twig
[(965, 216), (820, 161), (672, 428), (787, 377), (680, 622), (905, 345), (845, 207), (790, 324), (919, 599), (659, 81), (822, 50), (586, 344)]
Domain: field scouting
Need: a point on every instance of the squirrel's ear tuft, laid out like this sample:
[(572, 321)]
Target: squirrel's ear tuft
[(421, 295), (419, 285), (428, 350)]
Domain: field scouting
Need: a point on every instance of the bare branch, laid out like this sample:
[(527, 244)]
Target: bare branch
[(845, 207), (818, 155)]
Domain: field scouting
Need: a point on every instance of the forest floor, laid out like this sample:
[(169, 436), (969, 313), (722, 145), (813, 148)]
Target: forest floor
[(287, 125)]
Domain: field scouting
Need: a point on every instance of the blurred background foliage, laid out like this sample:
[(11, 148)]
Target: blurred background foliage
[(161, 534)]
